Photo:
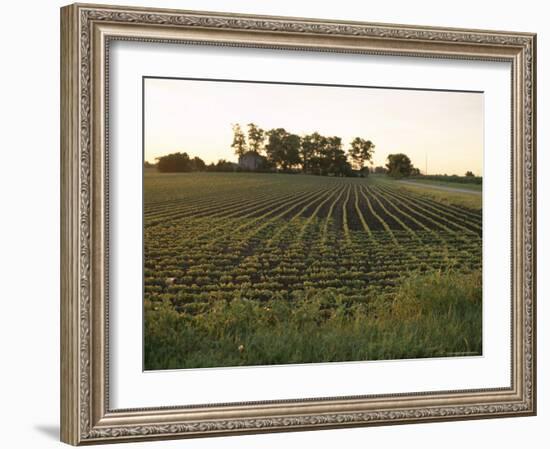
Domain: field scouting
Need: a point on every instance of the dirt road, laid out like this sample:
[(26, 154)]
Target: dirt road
[(447, 189)]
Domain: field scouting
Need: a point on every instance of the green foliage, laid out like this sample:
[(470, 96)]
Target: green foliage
[(322, 155), (197, 164), (283, 148), (399, 165), (315, 154), (222, 166), (432, 315), (213, 241), (310, 152), (361, 152), (239, 140), (333, 158), (256, 137), (179, 162), (467, 179)]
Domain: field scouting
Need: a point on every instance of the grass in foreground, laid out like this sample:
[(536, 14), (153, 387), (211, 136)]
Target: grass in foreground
[(431, 315)]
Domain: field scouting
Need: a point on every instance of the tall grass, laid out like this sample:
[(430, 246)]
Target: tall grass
[(431, 315)]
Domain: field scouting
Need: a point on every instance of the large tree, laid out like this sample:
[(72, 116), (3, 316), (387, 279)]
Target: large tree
[(292, 151), (283, 148), (333, 158), (312, 147), (399, 165), (361, 152), (222, 165), (274, 148), (239, 140), (256, 136), (179, 162), (197, 164), (307, 151)]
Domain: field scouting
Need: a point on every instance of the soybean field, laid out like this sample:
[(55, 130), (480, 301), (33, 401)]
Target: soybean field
[(245, 269)]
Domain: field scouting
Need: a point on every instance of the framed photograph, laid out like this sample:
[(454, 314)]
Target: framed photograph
[(280, 224)]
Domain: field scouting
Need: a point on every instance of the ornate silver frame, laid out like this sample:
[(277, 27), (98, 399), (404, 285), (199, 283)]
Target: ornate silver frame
[(86, 31)]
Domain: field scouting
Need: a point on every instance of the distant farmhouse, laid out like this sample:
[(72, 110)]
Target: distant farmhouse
[(252, 161)]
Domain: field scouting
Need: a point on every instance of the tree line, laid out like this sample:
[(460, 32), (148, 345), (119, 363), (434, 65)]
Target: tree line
[(311, 153), (182, 162), (281, 150)]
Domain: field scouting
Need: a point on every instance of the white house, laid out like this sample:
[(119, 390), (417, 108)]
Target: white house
[(252, 161)]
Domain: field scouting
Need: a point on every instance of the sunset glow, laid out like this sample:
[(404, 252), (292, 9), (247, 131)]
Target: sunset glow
[(443, 130)]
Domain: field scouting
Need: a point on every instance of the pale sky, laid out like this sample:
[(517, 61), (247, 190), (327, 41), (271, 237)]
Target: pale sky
[(196, 117)]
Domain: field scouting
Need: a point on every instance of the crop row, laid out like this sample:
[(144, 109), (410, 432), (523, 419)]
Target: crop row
[(351, 236)]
